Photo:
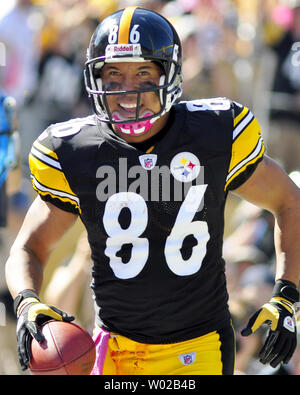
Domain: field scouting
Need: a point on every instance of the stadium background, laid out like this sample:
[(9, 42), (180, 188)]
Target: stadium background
[(245, 50)]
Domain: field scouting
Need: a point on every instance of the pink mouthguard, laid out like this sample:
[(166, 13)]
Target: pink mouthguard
[(134, 128)]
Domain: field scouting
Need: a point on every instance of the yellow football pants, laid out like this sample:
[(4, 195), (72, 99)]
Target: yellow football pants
[(210, 354)]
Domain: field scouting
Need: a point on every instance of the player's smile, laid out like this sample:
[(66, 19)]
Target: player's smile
[(130, 76), (128, 110)]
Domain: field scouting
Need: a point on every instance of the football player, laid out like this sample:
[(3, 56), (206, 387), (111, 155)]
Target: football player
[(149, 176)]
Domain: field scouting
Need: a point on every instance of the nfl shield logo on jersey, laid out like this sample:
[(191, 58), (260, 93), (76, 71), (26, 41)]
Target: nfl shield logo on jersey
[(148, 161), (188, 358)]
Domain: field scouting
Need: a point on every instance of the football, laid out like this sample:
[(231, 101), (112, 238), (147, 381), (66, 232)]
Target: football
[(68, 349)]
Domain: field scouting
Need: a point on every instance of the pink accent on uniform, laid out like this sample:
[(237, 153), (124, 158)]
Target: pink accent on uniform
[(100, 338), (133, 128)]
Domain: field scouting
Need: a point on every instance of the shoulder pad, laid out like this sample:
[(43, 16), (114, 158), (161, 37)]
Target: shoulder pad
[(71, 127)]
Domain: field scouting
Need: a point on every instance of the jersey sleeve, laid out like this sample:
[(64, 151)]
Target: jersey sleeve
[(247, 147), (47, 176)]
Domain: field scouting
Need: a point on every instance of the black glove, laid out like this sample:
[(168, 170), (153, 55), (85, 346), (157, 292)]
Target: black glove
[(31, 314), (279, 313)]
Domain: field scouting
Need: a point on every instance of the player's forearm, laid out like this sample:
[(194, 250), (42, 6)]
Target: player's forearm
[(287, 245), (23, 271), (43, 227)]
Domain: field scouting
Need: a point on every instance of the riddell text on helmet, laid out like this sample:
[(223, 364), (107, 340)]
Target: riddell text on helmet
[(123, 48), (128, 49)]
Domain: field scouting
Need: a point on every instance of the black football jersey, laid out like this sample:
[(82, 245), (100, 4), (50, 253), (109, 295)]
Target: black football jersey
[(154, 219)]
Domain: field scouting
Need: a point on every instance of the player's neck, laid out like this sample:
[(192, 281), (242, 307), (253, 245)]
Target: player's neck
[(156, 128)]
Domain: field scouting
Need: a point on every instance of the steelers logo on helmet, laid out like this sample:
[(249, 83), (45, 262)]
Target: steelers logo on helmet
[(185, 167), (134, 34)]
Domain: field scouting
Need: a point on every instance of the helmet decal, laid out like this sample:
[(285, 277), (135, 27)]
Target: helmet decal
[(134, 35), (114, 50), (125, 23)]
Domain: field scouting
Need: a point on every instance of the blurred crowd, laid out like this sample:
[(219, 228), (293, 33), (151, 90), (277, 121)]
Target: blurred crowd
[(248, 51)]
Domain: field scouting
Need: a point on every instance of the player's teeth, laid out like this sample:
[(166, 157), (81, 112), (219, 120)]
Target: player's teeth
[(138, 131), (132, 105), (125, 130)]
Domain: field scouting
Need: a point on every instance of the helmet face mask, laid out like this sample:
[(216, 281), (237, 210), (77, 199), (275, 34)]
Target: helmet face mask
[(155, 40)]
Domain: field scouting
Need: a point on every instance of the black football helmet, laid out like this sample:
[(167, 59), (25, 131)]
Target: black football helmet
[(134, 35)]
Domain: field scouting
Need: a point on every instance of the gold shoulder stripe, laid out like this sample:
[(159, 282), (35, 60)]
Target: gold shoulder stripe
[(55, 194), (238, 118), (45, 158), (125, 25), (49, 176), (251, 159), (244, 143), (242, 125), (44, 150)]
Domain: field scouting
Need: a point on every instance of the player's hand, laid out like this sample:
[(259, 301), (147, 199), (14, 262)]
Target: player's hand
[(31, 315), (279, 314)]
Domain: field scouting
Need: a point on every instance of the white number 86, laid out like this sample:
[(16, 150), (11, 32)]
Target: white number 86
[(140, 246)]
